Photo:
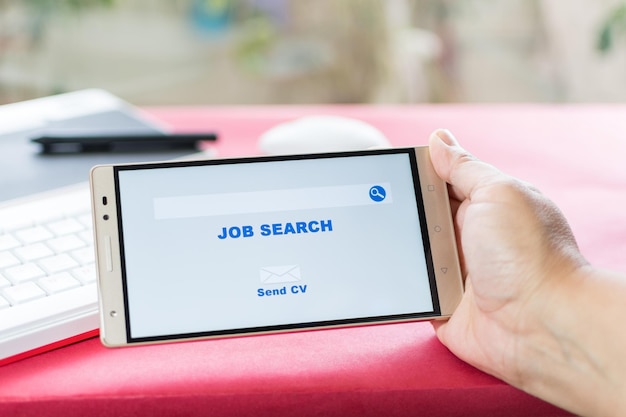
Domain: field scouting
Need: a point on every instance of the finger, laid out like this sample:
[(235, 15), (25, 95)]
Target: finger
[(458, 167), (454, 206)]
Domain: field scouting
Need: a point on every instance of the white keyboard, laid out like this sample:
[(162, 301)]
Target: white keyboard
[(48, 294)]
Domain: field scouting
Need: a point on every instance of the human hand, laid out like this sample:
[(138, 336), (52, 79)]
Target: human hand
[(514, 245)]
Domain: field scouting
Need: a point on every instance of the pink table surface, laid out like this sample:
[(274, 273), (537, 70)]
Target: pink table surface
[(573, 153)]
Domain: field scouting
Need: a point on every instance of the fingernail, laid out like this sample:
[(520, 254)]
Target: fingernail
[(446, 137)]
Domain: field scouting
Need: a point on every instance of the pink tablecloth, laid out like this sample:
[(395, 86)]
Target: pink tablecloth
[(573, 153)]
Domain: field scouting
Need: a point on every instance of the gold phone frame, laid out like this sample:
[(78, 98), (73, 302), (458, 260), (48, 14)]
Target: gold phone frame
[(113, 315)]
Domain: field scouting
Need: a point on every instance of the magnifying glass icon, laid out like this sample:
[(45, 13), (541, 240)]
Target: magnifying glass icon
[(377, 193)]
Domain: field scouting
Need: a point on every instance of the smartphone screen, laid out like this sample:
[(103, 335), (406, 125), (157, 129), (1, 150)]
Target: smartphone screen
[(237, 246)]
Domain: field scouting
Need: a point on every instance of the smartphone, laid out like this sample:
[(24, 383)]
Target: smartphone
[(231, 247)]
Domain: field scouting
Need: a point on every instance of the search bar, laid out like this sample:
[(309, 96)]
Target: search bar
[(271, 200)]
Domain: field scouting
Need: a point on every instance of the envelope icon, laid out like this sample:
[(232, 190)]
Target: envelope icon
[(280, 274)]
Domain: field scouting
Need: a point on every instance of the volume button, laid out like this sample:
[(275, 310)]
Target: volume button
[(108, 254)]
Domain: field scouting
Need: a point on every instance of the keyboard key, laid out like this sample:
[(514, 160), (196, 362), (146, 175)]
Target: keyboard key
[(85, 274), (85, 255), (87, 236), (22, 273), (8, 242), (8, 259), (57, 263), (4, 303), (32, 252), (33, 234), (22, 293), (4, 282), (55, 283), (65, 243), (86, 220), (65, 227)]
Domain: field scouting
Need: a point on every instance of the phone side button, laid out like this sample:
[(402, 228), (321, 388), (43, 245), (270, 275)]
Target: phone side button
[(108, 257)]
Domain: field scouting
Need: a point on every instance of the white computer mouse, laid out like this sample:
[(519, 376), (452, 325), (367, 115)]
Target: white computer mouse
[(321, 133)]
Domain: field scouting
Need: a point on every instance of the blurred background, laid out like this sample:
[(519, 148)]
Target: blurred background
[(169, 52)]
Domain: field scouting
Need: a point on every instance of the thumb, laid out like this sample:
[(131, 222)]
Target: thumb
[(459, 168)]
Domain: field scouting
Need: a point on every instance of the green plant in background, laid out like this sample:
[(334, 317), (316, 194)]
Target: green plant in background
[(614, 24), (256, 38), (252, 28)]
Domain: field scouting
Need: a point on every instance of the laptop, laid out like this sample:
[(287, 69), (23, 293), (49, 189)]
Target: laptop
[(48, 295)]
